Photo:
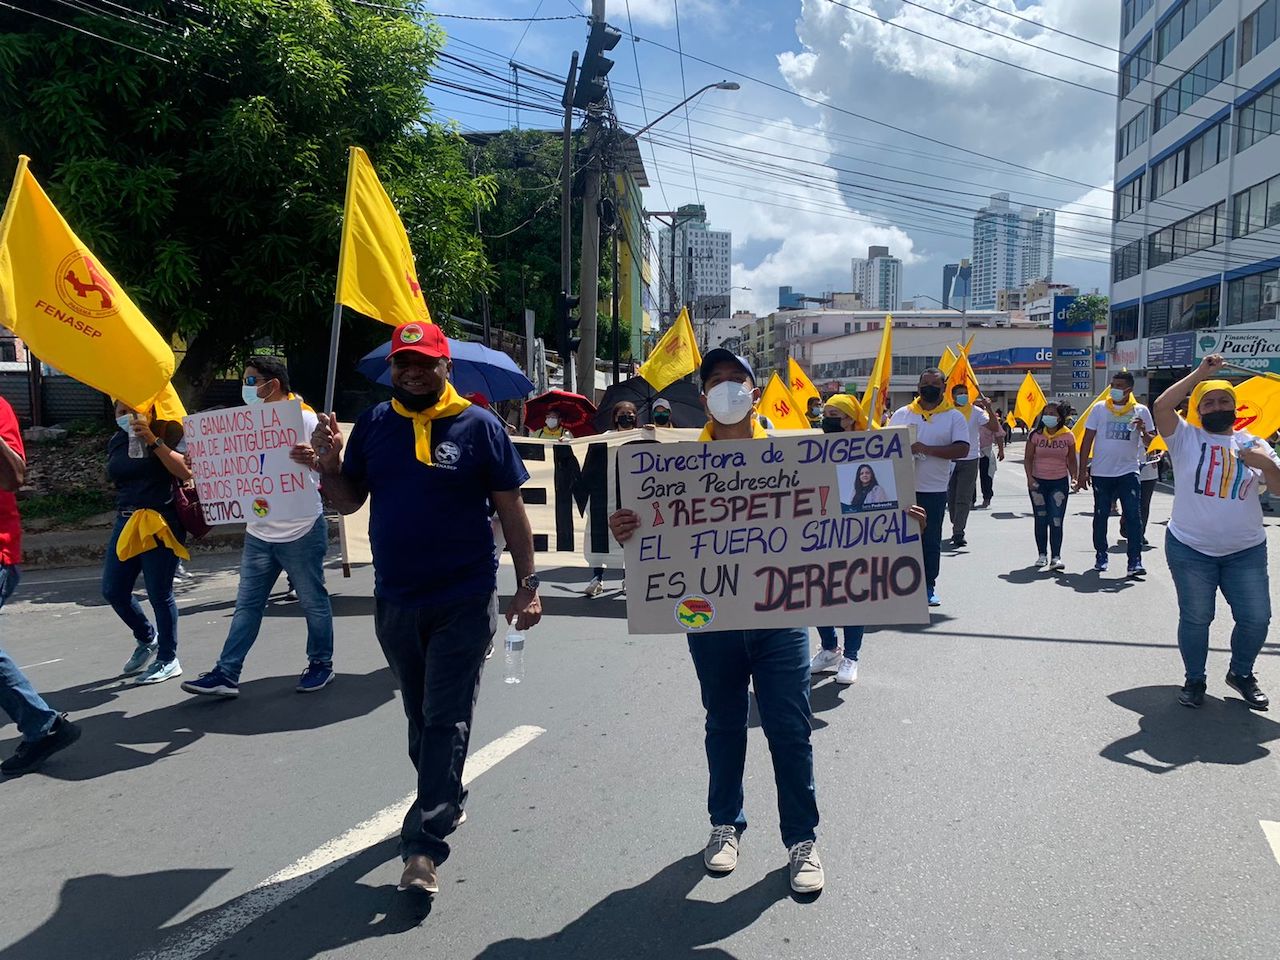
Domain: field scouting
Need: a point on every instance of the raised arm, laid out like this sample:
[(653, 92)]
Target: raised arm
[(1165, 410)]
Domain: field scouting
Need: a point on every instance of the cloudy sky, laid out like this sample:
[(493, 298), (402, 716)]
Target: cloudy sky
[(859, 121)]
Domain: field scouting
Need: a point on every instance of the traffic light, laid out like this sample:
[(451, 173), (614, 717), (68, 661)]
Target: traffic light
[(592, 85), (569, 344)]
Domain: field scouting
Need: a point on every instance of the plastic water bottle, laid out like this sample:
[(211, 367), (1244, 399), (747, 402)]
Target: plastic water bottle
[(137, 449), (515, 655)]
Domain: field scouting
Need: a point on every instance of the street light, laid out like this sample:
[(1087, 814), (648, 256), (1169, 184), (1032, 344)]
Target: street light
[(722, 85), (944, 306)]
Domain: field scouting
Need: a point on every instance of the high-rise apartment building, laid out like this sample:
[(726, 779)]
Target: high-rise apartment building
[(1193, 253), (956, 282), (877, 278), (702, 260), (1011, 247)]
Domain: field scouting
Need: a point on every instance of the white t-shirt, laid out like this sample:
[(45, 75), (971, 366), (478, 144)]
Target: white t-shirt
[(1117, 448), (940, 430), (1215, 496), (286, 531), (977, 420)]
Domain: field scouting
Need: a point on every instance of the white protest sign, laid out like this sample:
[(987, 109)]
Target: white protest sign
[(789, 531), (240, 460)]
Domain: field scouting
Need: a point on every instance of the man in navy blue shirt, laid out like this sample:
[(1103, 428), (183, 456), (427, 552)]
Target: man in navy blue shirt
[(432, 465)]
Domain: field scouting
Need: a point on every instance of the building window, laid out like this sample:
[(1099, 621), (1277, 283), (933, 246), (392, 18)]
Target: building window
[(1131, 136), (1197, 232), (1258, 31), (1184, 19), (1126, 262), (1257, 118), (1129, 198), (1124, 324), (1132, 12), (1256, 208), (1197, 310), (1208, 72), (848, 327), (1205, 151), (1254, 299), (1135, 69)]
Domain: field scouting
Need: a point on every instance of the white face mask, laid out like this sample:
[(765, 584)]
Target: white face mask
[(730, 402), (1117, 396), (250, 394), (1050, 421), (553, 422)]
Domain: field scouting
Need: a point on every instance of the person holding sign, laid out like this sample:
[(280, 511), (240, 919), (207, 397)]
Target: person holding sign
[(1116, 436), (144, 457), (297, 547), (431, 464), (728, 662), (942, 437), (1215, 540)]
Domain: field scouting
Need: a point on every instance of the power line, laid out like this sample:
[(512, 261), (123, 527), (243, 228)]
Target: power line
[(653, 153), (684, 91), (527, 27)]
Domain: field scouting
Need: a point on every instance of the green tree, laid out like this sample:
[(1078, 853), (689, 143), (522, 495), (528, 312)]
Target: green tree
[(1091, 308), (202, 155)]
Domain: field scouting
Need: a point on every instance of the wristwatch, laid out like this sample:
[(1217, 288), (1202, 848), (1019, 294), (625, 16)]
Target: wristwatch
[(531, 582), (152, 447)]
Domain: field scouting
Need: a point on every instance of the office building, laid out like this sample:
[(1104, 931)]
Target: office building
[(956, 281), (1011, 247), (1195, 223), (701, 266), (877, 278)]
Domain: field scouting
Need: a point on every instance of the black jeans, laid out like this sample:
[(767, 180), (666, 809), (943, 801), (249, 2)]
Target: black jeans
[(935, 509), (984, 477), (1106, 491), (437, 656)]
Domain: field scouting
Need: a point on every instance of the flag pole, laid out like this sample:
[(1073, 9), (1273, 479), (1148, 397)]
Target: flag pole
[(331, 378), (1256, 373)]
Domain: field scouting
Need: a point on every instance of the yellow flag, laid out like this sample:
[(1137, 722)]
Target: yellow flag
[(66, 307), (376, 270), (801, 386), (167, 405), (946, 362), (875, 402), (781, 407), (1030, 401), (1078, 429), (962, 375), (1258, 406), (676, 355)]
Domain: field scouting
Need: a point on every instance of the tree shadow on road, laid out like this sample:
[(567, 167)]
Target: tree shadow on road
[(1222, 731), (655, 919), (116, 741)]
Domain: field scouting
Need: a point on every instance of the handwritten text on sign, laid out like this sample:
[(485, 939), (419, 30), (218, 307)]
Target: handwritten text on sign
[(789, 531), (240, 459)]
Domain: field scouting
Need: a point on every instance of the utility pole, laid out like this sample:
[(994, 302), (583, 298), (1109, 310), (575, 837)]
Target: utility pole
[(615, 226), (563, 330), (484, 295)]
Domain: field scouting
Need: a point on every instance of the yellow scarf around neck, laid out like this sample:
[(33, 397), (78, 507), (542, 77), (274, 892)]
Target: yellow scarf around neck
[(943, 407), (757, 432), (1121, 411), (450, 404), (1054, 434)]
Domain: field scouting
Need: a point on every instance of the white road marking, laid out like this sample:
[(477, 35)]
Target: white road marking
[(1271, 829), (280, 887), (42, 663)]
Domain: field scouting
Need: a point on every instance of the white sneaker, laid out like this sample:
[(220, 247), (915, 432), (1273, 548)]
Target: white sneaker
[(141, 654), (1056, 564), (159, 672), (594, 588), (806, 868), (848, 671), (1042, 560), (721, 852), (824, 661)]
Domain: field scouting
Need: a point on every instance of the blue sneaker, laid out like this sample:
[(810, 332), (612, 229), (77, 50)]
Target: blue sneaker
[(317, 676), (1136, 569), (213, 684), (1101, 563), (934, 599)]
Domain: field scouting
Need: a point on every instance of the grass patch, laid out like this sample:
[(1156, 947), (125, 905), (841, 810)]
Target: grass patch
[(67, 508)]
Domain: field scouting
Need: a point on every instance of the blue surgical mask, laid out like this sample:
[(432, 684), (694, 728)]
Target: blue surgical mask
[(1117, 396), (250, 394), (962, 399), (1050, 421), (125, 422)]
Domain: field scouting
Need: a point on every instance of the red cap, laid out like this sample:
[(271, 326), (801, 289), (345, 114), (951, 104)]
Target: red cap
[(424, 338)]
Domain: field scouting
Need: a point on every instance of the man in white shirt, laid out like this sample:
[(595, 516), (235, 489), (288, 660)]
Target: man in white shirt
[(1116, 433), (963, 486), (942, 436), (297, 547)]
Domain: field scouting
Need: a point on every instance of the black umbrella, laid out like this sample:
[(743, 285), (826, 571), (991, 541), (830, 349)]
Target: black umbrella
[(686, 404)]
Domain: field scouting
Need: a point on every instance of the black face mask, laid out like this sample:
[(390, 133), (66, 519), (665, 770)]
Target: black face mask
[(626, 421), (832, 425), (1220, 421), (662, 419), (930, 394), (417, 402)]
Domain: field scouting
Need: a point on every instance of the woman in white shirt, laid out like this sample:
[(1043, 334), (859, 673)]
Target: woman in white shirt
[(1215, 539)]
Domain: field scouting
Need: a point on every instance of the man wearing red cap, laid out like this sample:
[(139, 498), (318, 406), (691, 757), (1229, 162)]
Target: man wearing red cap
[(432, 465)]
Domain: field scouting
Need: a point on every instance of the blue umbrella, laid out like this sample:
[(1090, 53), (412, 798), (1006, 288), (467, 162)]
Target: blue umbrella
[(476, 369)]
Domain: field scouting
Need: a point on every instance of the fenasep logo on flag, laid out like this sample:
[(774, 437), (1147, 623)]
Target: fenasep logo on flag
[(84, 288), (411, 334)]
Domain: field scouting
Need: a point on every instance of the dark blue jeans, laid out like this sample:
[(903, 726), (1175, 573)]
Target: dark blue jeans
[(157, 567), (1242, 578), (436, 655), (776, 663), (1106, 491), (935, 508), (18, 698), (1049, 505), (852, 640)]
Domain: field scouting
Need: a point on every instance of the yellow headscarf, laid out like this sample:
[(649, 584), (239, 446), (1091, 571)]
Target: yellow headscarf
[(851, 408), (1197, 394), (146, 530), (450, 404)]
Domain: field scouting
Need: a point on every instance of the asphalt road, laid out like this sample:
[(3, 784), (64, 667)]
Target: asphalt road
[(1015, 780)]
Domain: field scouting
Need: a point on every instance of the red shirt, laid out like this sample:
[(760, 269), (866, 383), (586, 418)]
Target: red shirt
[(10, 522)]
